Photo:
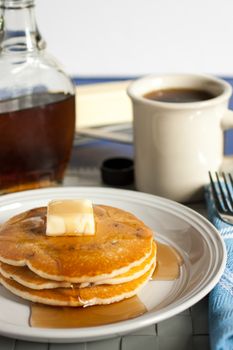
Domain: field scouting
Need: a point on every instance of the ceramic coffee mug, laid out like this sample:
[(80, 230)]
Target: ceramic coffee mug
[(176, 144)]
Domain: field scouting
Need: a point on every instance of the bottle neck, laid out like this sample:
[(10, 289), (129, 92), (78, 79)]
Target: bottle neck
[(18, 28)]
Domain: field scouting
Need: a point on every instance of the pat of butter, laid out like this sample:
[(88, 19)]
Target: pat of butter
[(70, 218)]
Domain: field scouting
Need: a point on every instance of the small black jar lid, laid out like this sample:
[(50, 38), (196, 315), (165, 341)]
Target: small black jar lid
[(118, 171)]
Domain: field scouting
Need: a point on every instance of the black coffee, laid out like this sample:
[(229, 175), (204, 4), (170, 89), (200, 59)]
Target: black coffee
[(178, 95)]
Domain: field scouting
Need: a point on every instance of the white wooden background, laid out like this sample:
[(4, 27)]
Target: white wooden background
[(132, 37)]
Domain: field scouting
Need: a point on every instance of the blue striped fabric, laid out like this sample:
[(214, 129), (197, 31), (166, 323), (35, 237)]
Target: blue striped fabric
[(221, 297)]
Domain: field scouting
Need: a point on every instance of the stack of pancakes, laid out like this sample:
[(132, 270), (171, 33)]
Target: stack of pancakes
[(76, 270)]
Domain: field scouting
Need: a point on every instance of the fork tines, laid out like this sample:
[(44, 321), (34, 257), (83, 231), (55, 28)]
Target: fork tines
[(222, 190)]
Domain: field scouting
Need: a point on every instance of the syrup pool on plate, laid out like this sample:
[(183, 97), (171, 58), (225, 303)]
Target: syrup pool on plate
[(168, 264), (75, 317)]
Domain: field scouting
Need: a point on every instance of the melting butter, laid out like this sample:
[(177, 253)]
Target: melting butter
[(74, 217)]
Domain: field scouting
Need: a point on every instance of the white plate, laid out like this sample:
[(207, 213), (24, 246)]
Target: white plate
[(192, 235)]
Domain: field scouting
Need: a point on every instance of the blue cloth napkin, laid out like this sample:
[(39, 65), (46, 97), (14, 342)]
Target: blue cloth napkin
[(221, 297)]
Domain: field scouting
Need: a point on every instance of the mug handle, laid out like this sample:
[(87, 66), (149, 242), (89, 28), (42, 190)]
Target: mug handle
[(227, 123)]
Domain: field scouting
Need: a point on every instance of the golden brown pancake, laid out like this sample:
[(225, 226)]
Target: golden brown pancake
[(102, 294), (27, 278), (121, 242), (135, 271)]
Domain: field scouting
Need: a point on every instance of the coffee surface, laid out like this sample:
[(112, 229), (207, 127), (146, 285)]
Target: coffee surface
[(178, 95)]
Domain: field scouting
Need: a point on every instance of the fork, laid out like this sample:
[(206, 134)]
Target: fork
[(222, 190)]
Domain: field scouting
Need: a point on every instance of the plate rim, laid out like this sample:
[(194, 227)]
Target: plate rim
[(122, 327)]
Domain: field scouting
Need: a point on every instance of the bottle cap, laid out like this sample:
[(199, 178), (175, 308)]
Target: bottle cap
[(117, 171)]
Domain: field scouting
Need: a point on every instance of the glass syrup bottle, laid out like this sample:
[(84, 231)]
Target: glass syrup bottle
[(37, 104)]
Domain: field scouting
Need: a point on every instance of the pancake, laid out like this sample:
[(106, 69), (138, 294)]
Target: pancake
[(27, 278), (121, 242), (95, 295), (135, 271)]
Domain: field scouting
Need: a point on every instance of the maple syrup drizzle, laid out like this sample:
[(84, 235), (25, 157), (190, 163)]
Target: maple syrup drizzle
[(72, 317), (44, 316), (168, 263)]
